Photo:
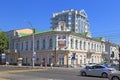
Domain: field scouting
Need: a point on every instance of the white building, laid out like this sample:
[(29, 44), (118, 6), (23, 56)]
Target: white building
[(63, 48), (69, 43), (76, 20), (112, 52)]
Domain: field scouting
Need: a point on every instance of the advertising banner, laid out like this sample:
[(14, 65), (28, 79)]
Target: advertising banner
[(61, 40)]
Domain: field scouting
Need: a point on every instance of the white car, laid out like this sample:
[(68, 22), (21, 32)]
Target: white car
[(97, 70), (114, 76)]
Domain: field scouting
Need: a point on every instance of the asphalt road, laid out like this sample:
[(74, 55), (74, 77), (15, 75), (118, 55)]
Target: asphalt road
[(50, 74)]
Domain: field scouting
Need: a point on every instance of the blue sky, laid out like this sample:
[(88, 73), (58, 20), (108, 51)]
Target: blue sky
[(104, 15)]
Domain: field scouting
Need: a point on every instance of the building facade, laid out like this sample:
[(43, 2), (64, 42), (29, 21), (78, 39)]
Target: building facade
[(112, 52), (69, 43), (63, 48)]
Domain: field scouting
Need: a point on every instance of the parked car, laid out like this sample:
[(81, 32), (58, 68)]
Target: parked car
[(91, 64), (114, 76), (116, 66), (97, 70)]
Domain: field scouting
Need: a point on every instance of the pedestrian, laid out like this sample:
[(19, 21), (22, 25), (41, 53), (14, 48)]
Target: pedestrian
[(51, 65), (41, 63)]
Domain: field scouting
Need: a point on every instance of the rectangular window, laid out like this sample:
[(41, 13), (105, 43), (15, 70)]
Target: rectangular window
[(26, 45), (31, 45), (37, 44), (84, 59), (22, 46)]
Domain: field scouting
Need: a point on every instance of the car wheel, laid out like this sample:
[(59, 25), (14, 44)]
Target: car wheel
[(115, 78), (83, 73), (104, 75)]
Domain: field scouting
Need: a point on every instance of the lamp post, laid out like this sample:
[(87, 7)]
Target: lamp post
[(34, 53), (55, 52), (51, 64)]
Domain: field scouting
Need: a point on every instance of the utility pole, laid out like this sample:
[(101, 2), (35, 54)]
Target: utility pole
[(33, 37), (33, 57), (55, 52)]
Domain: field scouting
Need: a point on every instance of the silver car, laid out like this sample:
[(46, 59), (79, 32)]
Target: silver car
[(97, 70), (114, 76)]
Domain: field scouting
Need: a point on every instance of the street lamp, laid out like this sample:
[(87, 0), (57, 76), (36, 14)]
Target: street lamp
[(33, 57), (55, 52), (34, 53), (51, 64)]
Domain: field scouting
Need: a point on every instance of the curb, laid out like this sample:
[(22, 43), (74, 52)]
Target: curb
[(4, 79), (17, 71)]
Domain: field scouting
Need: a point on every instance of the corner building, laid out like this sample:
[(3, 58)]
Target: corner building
[(69, 43), (63, 48)]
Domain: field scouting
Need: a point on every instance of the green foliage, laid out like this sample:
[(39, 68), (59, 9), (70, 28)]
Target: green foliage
[(3, 42)]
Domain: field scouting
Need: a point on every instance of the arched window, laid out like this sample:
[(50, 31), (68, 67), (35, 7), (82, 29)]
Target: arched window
[(88, 46), (22, 46), (95, 47), (84, 45), (62, 28), (43, 43), (92, 46), (31, 45), (80, 44), (26, 45), (76, 44), (92, 59), (98, 59), (81, 60), (37, 44), (50, 43), (84, 59), (71, 43)]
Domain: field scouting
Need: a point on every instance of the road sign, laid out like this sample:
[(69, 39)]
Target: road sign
[(3, 55), (34, 53)]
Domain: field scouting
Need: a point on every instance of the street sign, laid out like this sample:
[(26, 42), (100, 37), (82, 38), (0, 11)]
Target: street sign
[(3, 55), (34, 53)]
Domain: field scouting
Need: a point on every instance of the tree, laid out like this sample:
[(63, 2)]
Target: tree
[(3, 42)]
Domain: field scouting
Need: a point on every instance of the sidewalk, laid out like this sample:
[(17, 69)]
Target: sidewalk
[(4, 79), (14, 67)]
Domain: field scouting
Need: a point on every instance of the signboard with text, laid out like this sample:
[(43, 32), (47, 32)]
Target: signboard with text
[(3, 55), (61, 40)]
